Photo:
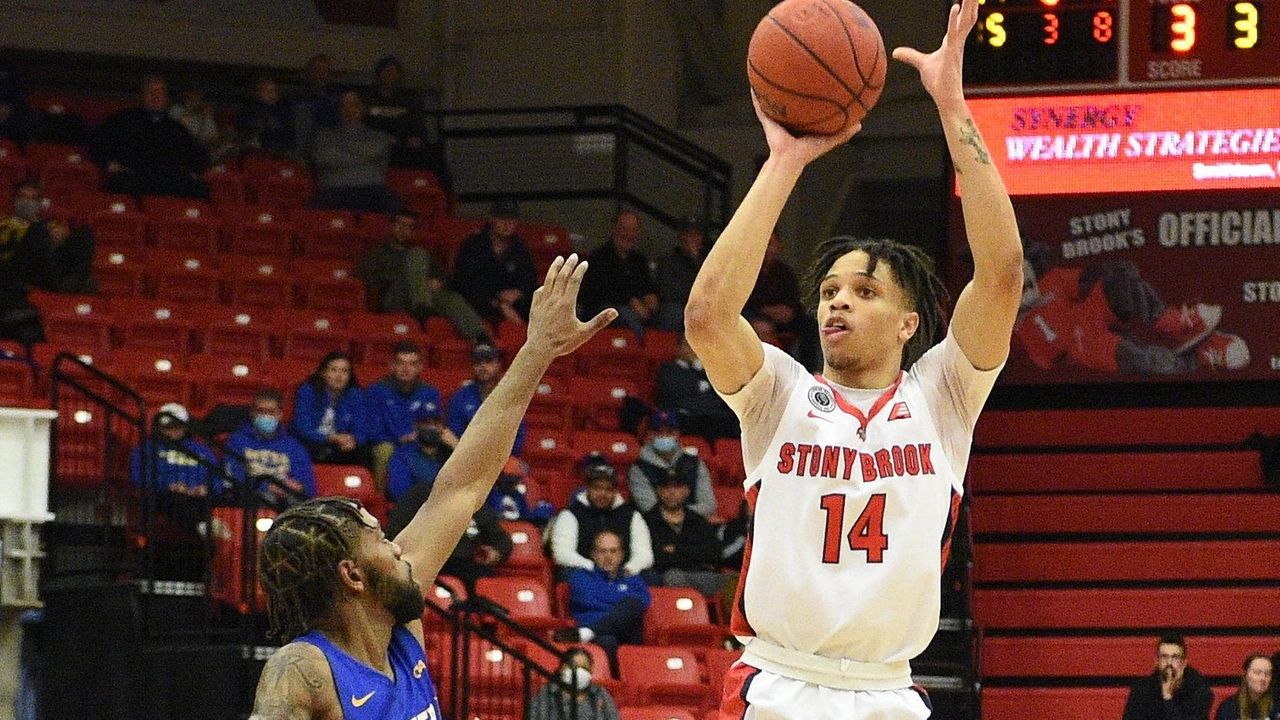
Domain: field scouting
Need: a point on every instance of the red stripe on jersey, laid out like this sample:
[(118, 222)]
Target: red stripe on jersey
[(951, 526), (733, 699), (851, 409), (738, 624)]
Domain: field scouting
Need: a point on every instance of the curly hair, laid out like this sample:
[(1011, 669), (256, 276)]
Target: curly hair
[(297, 564), (912, 268)]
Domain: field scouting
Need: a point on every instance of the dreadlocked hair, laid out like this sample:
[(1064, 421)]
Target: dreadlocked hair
[(298, 561), (912, 268)]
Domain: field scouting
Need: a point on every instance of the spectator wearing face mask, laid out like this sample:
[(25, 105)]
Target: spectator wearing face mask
[(418, 462), (664, 456), (556, 700), (49, 253), (268, 451)]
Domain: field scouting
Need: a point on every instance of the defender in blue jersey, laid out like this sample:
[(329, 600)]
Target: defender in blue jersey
[(350, 599)]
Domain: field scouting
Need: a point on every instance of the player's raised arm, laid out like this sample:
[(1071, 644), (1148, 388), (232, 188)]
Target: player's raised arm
[(714, 326), (987, 307), (469, 474)]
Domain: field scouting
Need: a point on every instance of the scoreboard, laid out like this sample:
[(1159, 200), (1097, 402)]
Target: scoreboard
[(1097, 44)]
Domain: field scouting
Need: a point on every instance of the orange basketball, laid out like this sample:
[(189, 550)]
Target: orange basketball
[(816, 66)]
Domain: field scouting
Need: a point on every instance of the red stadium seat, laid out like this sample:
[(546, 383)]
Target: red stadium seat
[(550, 450), (260, 231), (226, 186), (528, 557), (310, 335), (679, 616), (182, 224), (119, 272), (257, 280), (351, 481), (599, 401), (236, 332), (654, 712), (663, 674), (184, 276), (619, 448), (551, 407), (285, 189), (381, 332), (447, 591), (118, 227), (153, 324), (225, 380), (69, 174), (41, 154), (226, 566), (717, 662), (17, 381), (611, 353), (79, 321), (526, 599)]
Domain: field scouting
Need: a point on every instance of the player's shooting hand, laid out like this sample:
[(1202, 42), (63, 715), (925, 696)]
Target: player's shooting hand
[(803, 149), (554, 328), (942, 71)]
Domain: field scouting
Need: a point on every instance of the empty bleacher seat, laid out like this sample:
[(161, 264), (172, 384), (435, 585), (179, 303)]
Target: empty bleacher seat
[(1171, 513), (1155, 608), (679, 616), (1135, 471), (663, 674), (1057, 428), (1129, 561), (1126, 656)]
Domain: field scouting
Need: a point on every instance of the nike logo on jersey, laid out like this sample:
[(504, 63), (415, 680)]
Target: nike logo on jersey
[(819, 417), (359, 701)]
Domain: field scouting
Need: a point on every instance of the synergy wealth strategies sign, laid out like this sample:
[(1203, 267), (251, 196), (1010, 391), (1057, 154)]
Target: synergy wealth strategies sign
[(1151, 225)]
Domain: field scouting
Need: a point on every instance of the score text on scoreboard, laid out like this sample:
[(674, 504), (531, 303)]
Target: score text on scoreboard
[(1021, 44), (1195, 40), (1043, 41)]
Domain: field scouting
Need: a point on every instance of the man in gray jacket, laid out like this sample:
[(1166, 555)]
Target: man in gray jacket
[(350, 163)]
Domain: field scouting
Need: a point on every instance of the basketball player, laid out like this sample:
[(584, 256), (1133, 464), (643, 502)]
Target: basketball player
[(349, 598), (855, 475)]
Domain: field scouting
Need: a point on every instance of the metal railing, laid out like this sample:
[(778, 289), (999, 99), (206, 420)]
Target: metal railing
[(581, 153)]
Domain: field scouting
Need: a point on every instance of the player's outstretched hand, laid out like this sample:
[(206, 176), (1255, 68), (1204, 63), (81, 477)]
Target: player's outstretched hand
[(554, 328), (805, 148), (942, 71)]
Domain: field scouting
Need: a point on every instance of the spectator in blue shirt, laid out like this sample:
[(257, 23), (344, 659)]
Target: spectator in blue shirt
[(509, 497), (172, 461), (607, 604), (419, 461), (329, 414), (268, 450), (392, 403), (486, 371)]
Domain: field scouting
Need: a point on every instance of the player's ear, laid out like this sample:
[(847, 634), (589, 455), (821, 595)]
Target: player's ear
[(910, 323), (350, 576)]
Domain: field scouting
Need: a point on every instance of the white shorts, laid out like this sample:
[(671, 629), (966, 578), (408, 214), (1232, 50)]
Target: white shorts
[(754, 694)]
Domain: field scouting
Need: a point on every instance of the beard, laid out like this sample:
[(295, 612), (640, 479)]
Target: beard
[(401, 598)]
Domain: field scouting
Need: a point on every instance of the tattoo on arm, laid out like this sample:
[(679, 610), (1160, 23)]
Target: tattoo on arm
[(969, 136), (289, 687)]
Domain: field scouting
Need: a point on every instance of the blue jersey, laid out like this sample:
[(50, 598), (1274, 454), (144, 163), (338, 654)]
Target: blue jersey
[(366, 694)]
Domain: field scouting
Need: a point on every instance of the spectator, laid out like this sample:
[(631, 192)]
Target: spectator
[(143, 151), (1254, 700), (684, 390), (392, 404), (510, 495), (607, 603), (17, 122), (599, 507), (329, 414), (398, 110), (51, 255), (686, 552), (664, 456), (419, 461), (1172, 690), (483, 547), (675, 272), (486, 371), (350, 163), (172, 462), (262, 449), (197, 114), (575, 696), (316, 105), (19, 320), (776, 311), (400, 276), (619, 277), (266, 122), (494, 270)]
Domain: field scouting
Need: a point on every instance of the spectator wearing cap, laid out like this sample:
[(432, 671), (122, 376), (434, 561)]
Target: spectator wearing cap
[(171, 460), (486, 371), (662, 458), (510, 495), (494, 270), (686, 550), (401, 276), (683, 389), (393, 403), (419, 461), (618, 276), (329, 414), (261, 449), (599, 506), (675, 273)]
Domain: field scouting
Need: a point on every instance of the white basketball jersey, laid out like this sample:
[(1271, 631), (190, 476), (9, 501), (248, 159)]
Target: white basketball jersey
[(850, 532)]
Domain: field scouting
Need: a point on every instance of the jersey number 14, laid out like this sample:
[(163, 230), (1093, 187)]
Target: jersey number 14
[(867, 533)]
